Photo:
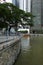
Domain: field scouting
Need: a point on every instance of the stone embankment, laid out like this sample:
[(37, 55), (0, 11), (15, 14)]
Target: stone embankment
[(9, 50)]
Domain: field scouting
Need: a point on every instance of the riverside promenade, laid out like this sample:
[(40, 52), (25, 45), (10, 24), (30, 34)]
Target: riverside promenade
[(3, 39), (9, 49)]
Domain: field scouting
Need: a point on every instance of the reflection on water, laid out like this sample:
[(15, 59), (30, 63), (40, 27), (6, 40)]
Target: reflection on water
[(31, 51), (25, 44)]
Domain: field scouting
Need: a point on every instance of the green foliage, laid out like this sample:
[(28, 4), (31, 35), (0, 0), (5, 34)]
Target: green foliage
[(23, 31), (10, 14), (28, 17), (5, 15)]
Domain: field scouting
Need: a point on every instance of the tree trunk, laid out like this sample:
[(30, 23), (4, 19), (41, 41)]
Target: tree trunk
[(9, 30), (16, 24)]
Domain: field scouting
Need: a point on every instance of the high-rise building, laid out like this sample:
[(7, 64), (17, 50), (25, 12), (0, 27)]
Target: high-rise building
[(42, 13), (37, 11), (16, 2), (24, 5)]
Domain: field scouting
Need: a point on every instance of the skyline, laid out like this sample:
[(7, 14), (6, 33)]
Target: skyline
[(29, 5), (20, 3)]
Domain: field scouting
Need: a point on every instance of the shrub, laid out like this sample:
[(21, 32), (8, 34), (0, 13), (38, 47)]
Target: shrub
[(23, 31)]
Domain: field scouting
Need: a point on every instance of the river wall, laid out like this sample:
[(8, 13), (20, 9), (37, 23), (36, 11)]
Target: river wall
[(9, 51)]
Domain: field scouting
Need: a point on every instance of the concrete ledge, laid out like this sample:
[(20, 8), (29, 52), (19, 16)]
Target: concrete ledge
[(7, 38), (9, 51)]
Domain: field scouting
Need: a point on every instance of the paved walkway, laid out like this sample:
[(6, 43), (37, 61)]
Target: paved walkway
[(6, 41), (7, 38)]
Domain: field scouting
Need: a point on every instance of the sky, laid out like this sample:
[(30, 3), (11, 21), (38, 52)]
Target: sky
[(6, 1), (9, 1)]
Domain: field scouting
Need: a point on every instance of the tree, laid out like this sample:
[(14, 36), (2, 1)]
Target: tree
[(10, 16), (5, 14), (28, 17)]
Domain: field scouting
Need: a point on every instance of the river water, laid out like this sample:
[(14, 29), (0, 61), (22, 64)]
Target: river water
[(31, 51)]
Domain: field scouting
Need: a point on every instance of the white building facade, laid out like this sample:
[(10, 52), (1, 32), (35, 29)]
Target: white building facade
[(25, 5), (22, 4)]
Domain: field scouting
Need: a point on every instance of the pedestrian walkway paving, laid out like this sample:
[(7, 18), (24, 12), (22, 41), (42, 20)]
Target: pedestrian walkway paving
[(7, 38), (6, 41)]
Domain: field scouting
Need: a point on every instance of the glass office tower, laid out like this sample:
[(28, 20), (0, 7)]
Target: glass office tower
[(37, 9), (16, 2), (42, 13), (24, 5)]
